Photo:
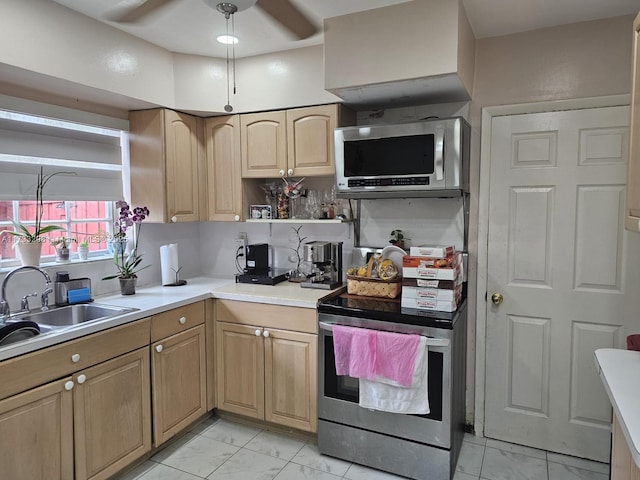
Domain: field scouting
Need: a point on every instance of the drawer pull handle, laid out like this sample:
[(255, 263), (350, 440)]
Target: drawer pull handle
[(281, 172), (183, 320), (258, 332), (265, 334), (68, 385), (174, 219), (75, 358), (290, 171), (159, 348), (81, 379)]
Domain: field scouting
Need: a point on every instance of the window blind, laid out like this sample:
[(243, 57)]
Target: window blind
[(92, 154)]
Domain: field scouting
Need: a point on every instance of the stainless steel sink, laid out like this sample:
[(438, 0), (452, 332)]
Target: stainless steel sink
[(75, 314)]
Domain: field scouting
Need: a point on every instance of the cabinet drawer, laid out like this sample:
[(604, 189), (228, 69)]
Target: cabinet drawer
[(266, 315), (27, 371), (177, 320)]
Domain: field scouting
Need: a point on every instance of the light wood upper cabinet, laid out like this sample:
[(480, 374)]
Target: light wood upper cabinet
[(633, 173), (178, 369), (310, 140), (265, 369), (264, 144), (36, 433), (112, 415), (166, 162), (296, 142), (224, 183)]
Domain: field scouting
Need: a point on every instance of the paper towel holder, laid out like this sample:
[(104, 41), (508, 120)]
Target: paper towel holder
[(178, 282)]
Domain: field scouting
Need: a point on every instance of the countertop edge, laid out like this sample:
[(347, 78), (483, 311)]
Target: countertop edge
[(622, 392)]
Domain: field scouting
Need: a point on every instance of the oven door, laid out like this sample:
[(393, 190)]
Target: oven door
[(338, 395)]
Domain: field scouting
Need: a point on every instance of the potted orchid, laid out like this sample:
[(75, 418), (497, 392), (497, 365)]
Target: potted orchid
[(128, 265)]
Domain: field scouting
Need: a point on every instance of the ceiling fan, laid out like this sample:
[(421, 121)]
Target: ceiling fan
[(282, 11)]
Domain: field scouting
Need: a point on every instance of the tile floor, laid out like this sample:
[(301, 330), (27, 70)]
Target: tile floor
[(218, 449)]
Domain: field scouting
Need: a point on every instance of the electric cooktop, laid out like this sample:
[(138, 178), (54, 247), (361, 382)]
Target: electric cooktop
[(388, 310)]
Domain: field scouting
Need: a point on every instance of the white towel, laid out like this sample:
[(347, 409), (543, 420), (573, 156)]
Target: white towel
[(388, 396)]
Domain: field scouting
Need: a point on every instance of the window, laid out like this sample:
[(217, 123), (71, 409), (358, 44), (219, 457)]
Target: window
[(93, 147), (82, 221)]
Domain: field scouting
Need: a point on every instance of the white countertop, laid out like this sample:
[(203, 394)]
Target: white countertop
[(620, 374), (153, 300)]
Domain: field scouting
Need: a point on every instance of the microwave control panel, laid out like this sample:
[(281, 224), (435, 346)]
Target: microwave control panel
[(387, 182)]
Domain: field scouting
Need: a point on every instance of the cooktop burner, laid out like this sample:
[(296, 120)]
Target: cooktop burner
[(388, 310)]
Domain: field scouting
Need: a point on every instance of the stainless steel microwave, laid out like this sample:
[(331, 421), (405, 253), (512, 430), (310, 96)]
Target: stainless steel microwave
[(428, 158)]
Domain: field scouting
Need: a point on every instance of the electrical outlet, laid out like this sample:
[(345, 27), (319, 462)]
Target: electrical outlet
[(241, 243)]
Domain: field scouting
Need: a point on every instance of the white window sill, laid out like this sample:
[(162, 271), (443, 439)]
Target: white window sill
[(8, 265)]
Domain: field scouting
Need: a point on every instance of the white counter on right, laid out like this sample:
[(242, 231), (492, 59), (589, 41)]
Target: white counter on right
[(620, 374)]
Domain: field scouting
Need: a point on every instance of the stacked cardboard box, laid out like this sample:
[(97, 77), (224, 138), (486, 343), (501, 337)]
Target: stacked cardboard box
[(432, 278)]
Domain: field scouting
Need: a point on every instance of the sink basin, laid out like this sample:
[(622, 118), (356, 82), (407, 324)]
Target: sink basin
[(75, 314)]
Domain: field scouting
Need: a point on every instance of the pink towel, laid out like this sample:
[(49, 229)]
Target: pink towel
[(363, 353), (354, 350), (396, 356)]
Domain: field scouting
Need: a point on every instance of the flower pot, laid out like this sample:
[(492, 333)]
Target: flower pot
[(83, 252), (62, 254), (128, 285), (29, 253)]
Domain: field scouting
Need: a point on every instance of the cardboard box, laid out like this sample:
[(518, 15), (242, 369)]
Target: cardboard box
[(450, 261), (428, 283), (433, 273), (434, 251), (439, 294), (426, 304)]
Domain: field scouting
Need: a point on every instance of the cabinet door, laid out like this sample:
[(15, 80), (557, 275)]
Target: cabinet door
[(224, 181), (178, 366), (264, 144), (182, 151), (36, 434), (291, 379), (240, 369), (310, 140), (112, 415), (633, 172)]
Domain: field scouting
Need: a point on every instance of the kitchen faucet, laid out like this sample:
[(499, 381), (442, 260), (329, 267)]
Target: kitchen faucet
[(4, 304)]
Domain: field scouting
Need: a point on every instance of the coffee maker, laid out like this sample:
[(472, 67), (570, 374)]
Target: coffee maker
[(326, 260), (258, 270)]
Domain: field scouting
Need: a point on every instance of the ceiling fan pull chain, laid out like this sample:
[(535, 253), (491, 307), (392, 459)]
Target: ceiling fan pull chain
[(233, 50)]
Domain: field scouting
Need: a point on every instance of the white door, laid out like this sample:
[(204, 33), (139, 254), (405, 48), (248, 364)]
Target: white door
[(568, 272)]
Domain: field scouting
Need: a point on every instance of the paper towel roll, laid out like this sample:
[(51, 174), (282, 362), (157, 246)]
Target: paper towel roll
[(169, 263)]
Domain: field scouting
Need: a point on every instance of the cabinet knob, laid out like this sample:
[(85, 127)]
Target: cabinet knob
[(174, 219), (81, 379), (265, 334), (68, 385), (281, 172), (159, 348), (75, 358), (258, 332), (290, 171), (237, 218), (182, 320)]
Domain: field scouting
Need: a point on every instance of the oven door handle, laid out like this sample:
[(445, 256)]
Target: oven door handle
[(432, 342)]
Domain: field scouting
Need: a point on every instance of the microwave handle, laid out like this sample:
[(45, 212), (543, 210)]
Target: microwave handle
[(439, 154)]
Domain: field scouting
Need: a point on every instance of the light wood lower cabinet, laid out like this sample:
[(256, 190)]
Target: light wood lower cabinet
[(36, 434), (267, 373), (623, 466), (112, 415), (179, 382)]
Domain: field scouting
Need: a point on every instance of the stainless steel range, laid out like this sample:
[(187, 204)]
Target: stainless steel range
[(423, 447)]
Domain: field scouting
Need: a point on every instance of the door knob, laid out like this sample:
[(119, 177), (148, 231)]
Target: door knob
[(497, 298)]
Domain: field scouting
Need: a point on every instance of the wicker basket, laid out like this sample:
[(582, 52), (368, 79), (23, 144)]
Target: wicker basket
[(373, 287)]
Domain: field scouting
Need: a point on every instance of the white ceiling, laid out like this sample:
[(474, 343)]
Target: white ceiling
[(190, 26)]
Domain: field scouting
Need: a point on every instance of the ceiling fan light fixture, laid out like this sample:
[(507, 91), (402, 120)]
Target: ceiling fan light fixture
[(227, 39)]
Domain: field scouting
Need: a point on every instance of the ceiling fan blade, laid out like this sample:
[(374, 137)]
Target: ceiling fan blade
[(137, 13), (288, 15)]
